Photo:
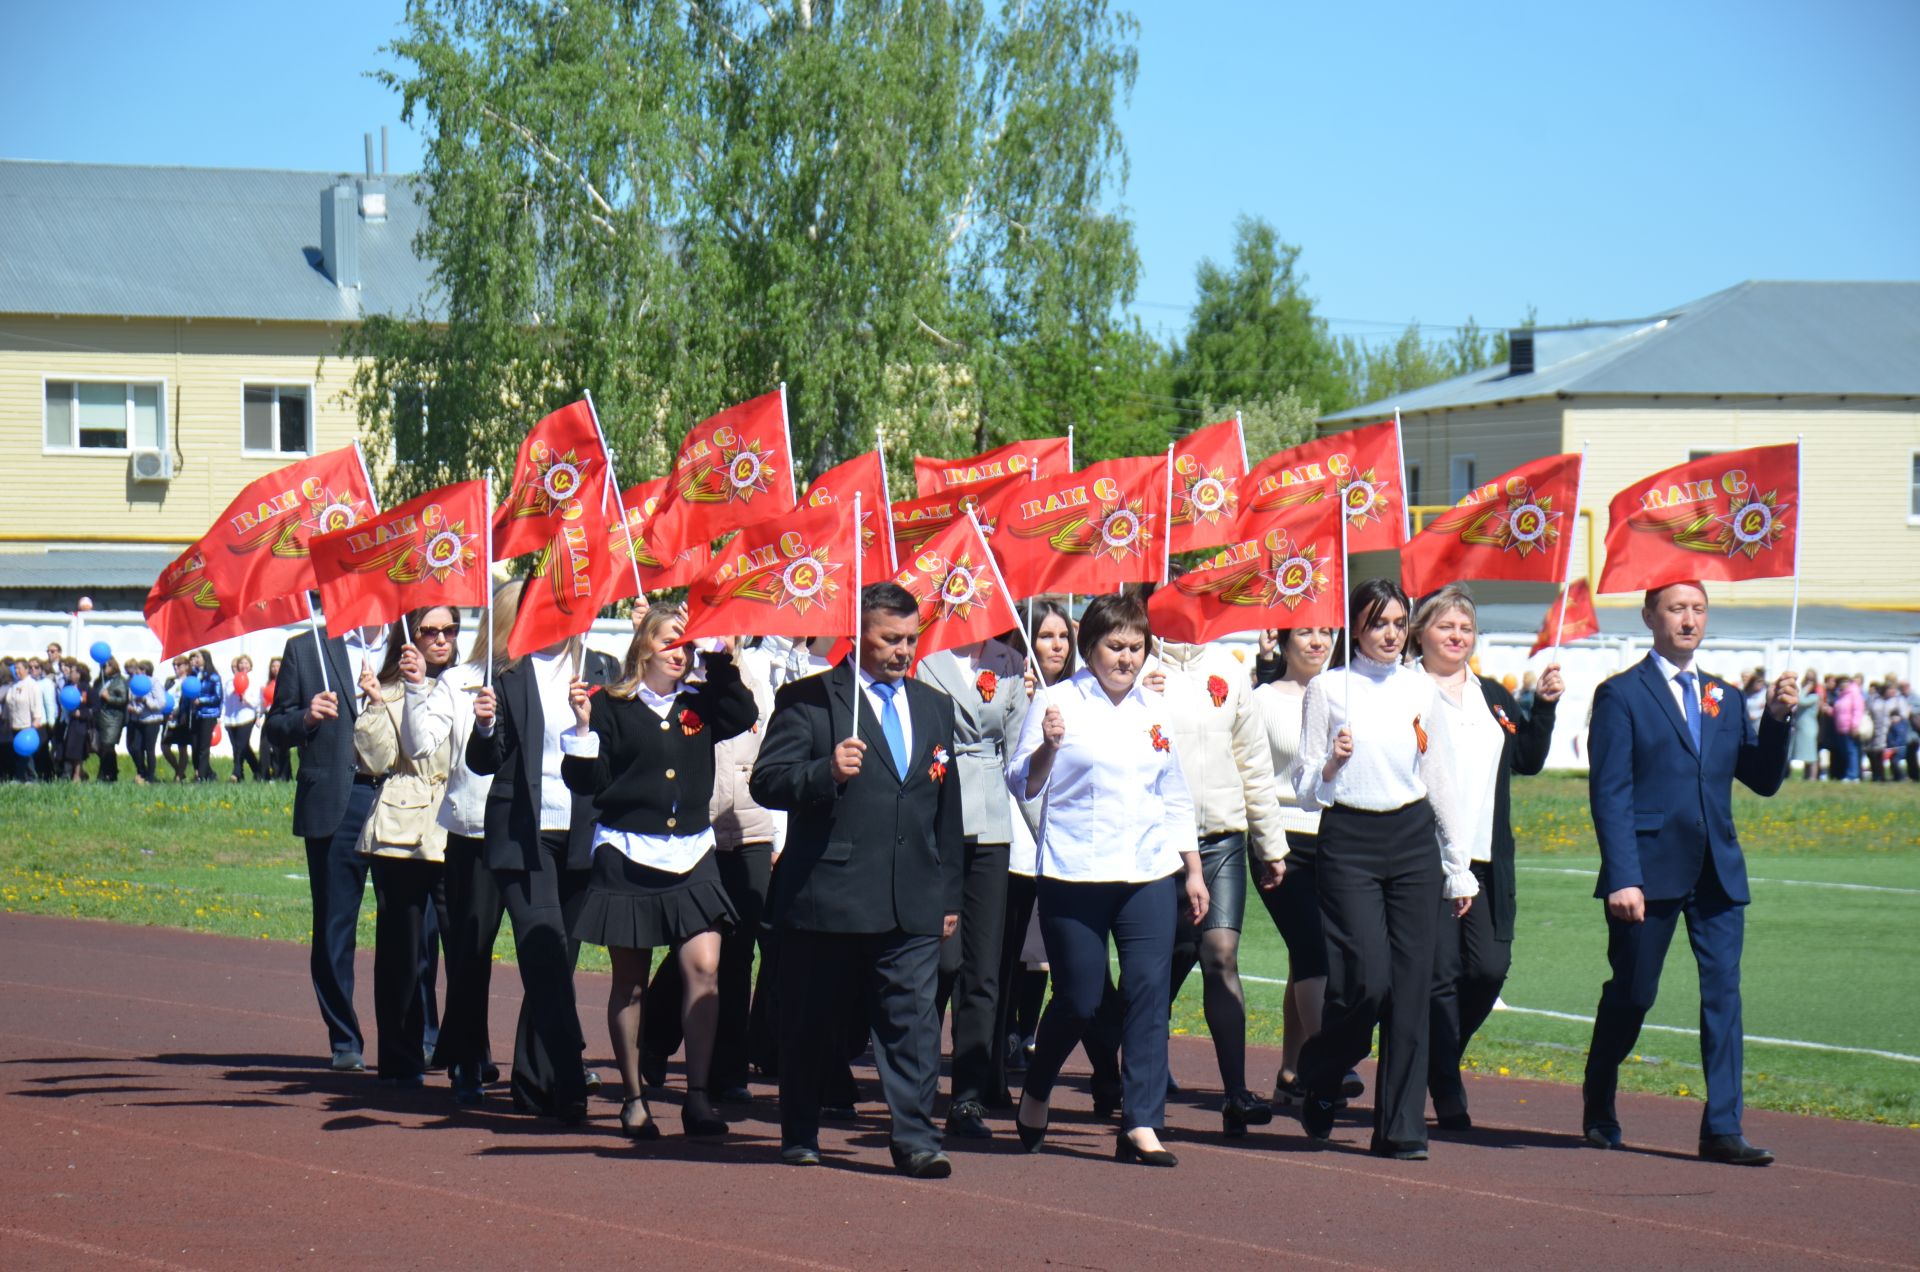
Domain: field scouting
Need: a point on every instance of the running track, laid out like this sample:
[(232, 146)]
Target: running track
[(166, 1106)]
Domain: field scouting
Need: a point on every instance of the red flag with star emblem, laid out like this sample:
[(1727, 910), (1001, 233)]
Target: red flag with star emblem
[(916, 521), (428, 551), (257, 550), (1517, 526), (1207, 466), (790, 578), (962, 598), (1363, 464), (1089, 531), (1287, 575), (574, 575), (1034, 459), (561, 456), (1575, 621), (734, 470), (865, 475), (633, 544), (185, 611), (1726, 517)]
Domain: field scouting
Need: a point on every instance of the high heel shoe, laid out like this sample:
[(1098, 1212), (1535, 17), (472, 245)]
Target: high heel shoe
[(1031, 1137), (1125, 1150), (1238, 1112), (700, 1124), (634, 1129)]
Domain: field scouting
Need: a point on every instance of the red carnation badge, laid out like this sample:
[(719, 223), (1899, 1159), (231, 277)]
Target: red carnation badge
[(690, 722), (986, 684), (1500, 714), (938, 769), (1419, 735), (1217, 690), (1161, 742)]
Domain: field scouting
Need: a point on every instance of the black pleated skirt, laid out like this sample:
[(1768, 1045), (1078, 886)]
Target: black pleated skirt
[(635, 907)]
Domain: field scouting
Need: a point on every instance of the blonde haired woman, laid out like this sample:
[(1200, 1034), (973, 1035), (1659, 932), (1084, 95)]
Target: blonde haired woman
[(642, 751)]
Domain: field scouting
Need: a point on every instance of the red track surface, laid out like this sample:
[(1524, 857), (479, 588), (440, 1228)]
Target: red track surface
[(168, 1106)]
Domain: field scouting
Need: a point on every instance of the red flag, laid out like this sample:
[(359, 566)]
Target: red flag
[(633, 545), (866, 475), (915, 521), (1207, 466), (428, 551), (1036, 458), (561, 456), (1517, 526), (1729, 516), (1089, 531), (793, 578), (1580, 620), (734, 470), (257, 550), (185, 611), (573, 577), (962, 597), (1364, 462), (1288, 575)]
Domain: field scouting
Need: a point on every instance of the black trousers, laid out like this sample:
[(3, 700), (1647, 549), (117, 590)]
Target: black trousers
[(970, 972), (1469, 966), (337, 882), (744, 872), (203, 748), (141, 735), (1380, 884), (412, 905), (1076, 919), (897, 974), (109, 760), (474, 909), (243, 757), (1013, 936), (548, 1075)]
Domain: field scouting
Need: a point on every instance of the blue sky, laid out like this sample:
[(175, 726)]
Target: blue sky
[(1434, 161)]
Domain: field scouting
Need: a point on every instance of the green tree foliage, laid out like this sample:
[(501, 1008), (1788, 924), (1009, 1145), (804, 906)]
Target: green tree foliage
[(905, 209), (1412, 361)]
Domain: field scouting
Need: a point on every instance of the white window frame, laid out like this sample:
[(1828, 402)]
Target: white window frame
[(313, 425), (73, 447), (1454, 492), (1913, 486)]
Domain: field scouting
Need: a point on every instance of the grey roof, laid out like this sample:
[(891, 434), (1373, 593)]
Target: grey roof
[(148, 242), (68, 569), (1799, 339)]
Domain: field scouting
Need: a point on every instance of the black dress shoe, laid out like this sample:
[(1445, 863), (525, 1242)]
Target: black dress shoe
[(1125, 1150), (1399, 1152), (1600, 1135), (489, 1073), (348, 1060), (1240, 1111), (928, 1164), (631, 1125), (1351, 1087), (838, 1113), (1452, 1122), (799, 1155), (701, 1125), (1106, 1099), (1316, 1118), (735, 1095), (1733, 1150), (968, 1120)]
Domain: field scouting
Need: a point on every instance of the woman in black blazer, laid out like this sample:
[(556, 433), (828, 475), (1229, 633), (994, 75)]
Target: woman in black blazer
[(1493, 740), (538, 847), (642, 751)]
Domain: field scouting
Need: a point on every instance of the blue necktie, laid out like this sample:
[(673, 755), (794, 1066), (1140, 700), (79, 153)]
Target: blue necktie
[(890, 725), (1692, 700)]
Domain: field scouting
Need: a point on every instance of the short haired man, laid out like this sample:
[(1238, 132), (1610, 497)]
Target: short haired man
[(870, 881), (1666, 743)]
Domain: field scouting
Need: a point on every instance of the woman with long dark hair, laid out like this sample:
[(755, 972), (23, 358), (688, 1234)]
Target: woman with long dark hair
[(1492, 740), (642, 751), (1374, 757), (205, 712)]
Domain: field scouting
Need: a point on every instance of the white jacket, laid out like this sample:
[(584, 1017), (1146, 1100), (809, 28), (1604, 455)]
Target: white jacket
[(1221, 739), (434, 712)]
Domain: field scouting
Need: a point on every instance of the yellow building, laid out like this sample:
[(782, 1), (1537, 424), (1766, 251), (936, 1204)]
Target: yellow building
[(166, 336), (1834, 364)]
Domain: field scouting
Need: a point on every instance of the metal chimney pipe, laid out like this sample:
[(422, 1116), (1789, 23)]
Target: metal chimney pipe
[(383, 150), (368, 138)]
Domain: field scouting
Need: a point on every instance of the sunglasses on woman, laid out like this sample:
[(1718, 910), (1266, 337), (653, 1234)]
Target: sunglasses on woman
[(436, 633)]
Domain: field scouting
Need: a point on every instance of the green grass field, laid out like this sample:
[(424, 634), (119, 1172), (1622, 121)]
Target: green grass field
[(1833, 966)]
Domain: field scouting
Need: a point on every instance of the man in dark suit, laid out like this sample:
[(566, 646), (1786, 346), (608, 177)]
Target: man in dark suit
[(870, 882), (1666, 743), (314, 713)]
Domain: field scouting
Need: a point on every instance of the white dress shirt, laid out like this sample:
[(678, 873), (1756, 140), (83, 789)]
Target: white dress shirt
[(1115, 807), (552, 677), (878, 701), (1670, 672), (1386, 706), (1478, 743), (674, 854), (365, 653)]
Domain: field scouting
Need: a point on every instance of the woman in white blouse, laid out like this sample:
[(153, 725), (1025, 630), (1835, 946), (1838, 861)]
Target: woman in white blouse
[(1373, 757), (1116, 850), (1492, 739)]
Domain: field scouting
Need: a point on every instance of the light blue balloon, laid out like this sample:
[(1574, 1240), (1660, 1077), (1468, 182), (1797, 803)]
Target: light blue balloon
[(101, 652), (70, 697), (26, 742), (190, 688), (172, 702), (140, 684)]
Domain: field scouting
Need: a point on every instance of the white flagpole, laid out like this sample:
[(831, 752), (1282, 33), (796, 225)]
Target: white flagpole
[(319, 644), (857, 585), (1566, 584), (786, 435), (373, 496), (1070, 467), (1406, 496), (1346, 602), (1166, 524), (486, 669), (1240, 430), (885, 513), (1799, 526), (620, 504)]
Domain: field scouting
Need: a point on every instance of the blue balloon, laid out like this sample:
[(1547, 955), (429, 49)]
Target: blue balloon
[(70, 697), (26, 742), (140, 684), (190, 688), (101, 651), (172, 702)]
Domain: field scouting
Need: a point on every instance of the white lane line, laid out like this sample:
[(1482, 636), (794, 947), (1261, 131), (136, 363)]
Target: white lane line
[(1798, 883), (1672, 1029)]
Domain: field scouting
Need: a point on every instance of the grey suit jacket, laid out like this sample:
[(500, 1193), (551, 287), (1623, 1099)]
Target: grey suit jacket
[(984, 730)]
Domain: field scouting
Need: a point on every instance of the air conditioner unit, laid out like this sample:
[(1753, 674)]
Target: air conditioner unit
[(152, 465)]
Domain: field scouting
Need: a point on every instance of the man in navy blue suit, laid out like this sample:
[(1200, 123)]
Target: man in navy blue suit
[(1666, 743)]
